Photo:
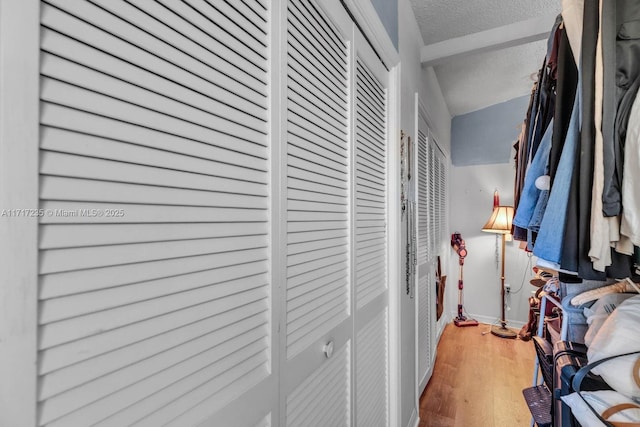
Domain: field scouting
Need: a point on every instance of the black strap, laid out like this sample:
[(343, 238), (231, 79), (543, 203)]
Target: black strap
[(582, 373)]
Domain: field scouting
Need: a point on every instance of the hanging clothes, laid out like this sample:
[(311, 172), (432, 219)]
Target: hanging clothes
[(621, 47), (538, 119), (571, 227), (630, 225)]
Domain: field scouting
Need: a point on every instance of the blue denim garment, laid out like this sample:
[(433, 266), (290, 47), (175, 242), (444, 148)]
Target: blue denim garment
[(548, 246), (538, 211), (530, 193)]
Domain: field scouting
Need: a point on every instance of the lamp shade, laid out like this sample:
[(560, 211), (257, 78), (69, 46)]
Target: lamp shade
[(500, 221)]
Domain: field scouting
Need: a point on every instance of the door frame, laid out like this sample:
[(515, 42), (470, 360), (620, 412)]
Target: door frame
[(19, 141)]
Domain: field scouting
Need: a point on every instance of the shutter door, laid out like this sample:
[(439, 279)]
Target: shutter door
[(316, 389), (317, 178), (154, 262), (371, 212), (433, 220), (425, 262), (370, 240)]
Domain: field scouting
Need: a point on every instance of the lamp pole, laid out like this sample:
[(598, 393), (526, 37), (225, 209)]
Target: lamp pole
[(503, 331)]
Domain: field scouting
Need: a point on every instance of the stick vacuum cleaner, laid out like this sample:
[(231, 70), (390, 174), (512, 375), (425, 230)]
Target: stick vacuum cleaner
[(457, 243)]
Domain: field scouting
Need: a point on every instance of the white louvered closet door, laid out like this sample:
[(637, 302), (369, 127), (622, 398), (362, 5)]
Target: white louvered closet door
[(154, 267), (370, 238), (336, 363), (316, 385), (426, 276), (432, 242)]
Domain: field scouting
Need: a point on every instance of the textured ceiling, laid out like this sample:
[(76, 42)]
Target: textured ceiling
[(445, 19), (478, 80)]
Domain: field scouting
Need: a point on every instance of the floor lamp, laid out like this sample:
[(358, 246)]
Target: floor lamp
[(500, 222)]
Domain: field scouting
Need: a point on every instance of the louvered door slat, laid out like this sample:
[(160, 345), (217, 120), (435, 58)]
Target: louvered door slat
[(332, 39), (371, 376), (301, 145), (425, 248), (302, 162), (60, 69), (179, 33), (371, 120), (371, 164), (191, 175), (118, 132), (257, 10), (154, 168), (303, 133), (71, 282), (303, 82), (73, 166), (306, 324), (304, 90), (144, 15), (423, 201), (313, 236), (64, 141), (314, 130), (334, 270), (130, 375), (57, 236), (322, 289), (219, 327), (301, 195), (101, 191), (84, 304), (229, 21), (301, 39), (370, 143), (306, 17), (68, 330), (317, 173), (322, 395), (134, 335), (57, 260), (98, 103), (109, 63), (332, 122), (100, 26)]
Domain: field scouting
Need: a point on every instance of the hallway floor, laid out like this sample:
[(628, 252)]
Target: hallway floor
[(477, 380)]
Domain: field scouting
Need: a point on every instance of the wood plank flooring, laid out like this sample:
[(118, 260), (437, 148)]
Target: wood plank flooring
[(477, 381)]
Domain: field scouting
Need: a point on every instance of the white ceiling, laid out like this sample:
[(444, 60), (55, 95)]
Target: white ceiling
[(486, 73)]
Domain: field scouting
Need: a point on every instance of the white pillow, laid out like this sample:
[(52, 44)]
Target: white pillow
[(599, 312), (600, 401), (619, 334)]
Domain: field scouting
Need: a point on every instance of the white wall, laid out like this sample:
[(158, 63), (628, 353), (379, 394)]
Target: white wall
[(439, 118), (410, 42), (415, 79), (471, 203)]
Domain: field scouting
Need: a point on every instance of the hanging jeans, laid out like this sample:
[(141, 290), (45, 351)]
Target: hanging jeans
[(530, 193), (548, 246)]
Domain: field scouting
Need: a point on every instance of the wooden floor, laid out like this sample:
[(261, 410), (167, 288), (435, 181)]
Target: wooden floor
[(477, 381)]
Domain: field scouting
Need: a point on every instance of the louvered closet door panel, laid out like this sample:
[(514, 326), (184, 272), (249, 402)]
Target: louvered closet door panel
[(322, 399), (442, 180), (317, 294), (425, 271), (423, 197), (371, 376), (431, 164), (370, 238), (154, 265), (370, 204)]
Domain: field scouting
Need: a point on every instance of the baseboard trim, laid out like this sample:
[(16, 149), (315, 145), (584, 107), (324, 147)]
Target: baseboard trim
[(513, 324)]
